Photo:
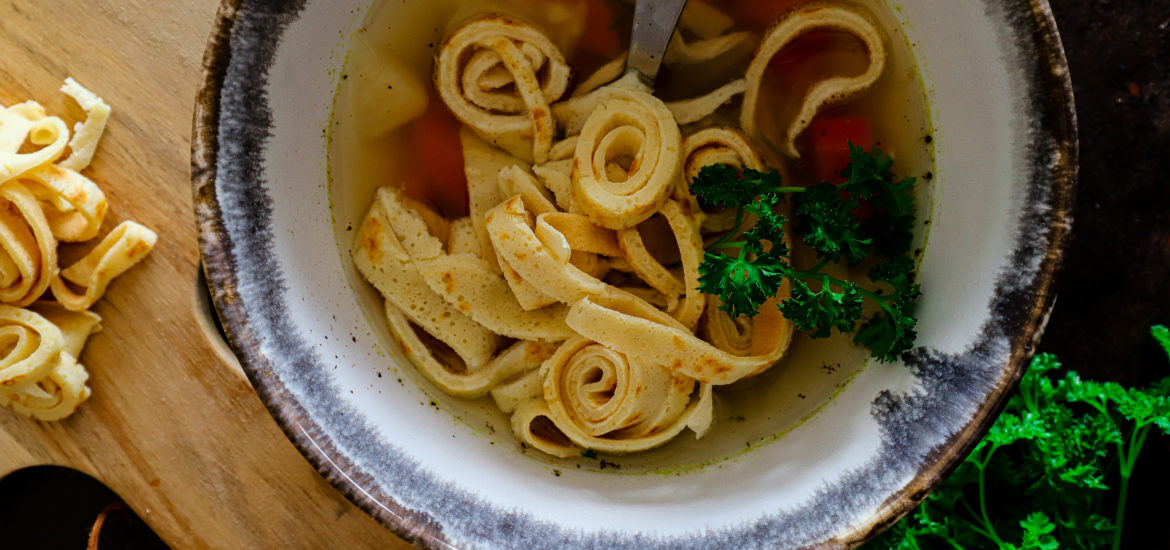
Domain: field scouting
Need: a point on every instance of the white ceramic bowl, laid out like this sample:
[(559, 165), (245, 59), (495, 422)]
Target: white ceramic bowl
[(837, 455)]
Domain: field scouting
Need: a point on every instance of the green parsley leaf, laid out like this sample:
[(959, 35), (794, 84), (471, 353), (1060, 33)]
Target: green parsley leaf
[(826, 216), (723, 186), (1038, 530), (743, 284), (769, 228), (830, 226), (823, 309)]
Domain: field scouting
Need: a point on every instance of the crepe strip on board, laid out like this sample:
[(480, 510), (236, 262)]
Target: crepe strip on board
[(125, 246), (86, 135), (28, 261), (28, 121), (801, 21), (62, 389), (32, 344), (74, 206), (498, 76), (43, 201)]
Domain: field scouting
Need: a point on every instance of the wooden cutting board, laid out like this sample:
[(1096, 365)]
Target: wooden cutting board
[(173, 425)]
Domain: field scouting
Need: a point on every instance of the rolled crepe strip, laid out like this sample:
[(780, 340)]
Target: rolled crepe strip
[(28, 262), (644, 340), (628, 156), (589, 263), (529, 297), (545, 267), (582, 234), (381, 258), (447, 371), (27, 121), (605, 74), (833, 90), (16, 122), (74, 206), (462, 239), (498, 76), (719, 145), (556, 174), (600, 399), (53, 397), (682, 52), (557, 177), (32, 345), (652, 296), (76, 326), (436, 226), (125, 246), (731, 335), (685, 232), (408, 222), (470, 285), (533, 425), (514, 180), (685, 227), (481, 165), (689, 111), (548, 268), (520, 389), (63, 388), (465, 282), (86, 135)]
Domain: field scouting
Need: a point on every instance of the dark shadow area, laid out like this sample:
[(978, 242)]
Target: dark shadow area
[(1116, 277), (50, 507)]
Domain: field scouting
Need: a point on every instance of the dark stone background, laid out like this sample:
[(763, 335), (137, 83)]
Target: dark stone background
[(1115, 282)]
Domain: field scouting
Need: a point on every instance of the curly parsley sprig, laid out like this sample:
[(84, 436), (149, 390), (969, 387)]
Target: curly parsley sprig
[(1045, 476), (759, 262)]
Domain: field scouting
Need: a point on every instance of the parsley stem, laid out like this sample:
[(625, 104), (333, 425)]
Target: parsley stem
[(815, 274), (722, 241), (1136, 440), (983, 502)]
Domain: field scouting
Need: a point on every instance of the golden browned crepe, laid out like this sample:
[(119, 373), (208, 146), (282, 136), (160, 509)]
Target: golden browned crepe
[(44, 200), (498, 76), (813, 17)]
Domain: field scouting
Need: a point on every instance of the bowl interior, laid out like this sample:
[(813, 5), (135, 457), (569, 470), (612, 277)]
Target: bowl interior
[(817, 449)]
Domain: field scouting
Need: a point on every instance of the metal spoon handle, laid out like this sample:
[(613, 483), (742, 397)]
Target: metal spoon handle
[(654, 23)]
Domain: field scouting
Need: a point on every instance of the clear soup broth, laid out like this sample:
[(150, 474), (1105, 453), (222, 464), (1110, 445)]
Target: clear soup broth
[(391, 129)]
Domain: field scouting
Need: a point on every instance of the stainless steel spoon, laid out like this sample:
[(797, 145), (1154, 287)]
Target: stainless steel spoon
[(654, 23)]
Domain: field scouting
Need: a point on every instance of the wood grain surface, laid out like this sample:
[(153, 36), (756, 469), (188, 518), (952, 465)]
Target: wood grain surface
[(173, 425)]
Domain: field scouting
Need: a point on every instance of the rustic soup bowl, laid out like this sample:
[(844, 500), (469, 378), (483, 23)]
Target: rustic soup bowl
[(823, 454)]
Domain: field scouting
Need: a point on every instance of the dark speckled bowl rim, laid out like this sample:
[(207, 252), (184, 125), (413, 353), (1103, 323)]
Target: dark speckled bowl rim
[(1055, 175)]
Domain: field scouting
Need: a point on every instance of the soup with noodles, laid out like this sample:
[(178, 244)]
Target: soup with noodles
[(610, 268)]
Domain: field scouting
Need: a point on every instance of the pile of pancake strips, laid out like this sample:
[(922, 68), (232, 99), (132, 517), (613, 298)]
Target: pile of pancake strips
[(45, 200)]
